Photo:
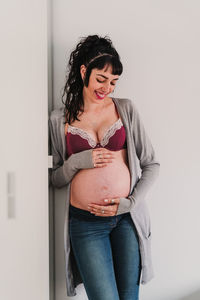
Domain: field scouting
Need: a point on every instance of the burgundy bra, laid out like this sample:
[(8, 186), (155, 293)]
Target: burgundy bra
[(79, 140)]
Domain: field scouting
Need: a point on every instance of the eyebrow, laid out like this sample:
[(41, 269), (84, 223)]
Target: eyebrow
[(106, 77)]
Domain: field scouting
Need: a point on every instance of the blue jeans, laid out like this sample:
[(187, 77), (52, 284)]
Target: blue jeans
[(106, 250)]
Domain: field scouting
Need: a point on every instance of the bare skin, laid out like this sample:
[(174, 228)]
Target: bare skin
[(101, 157), (110, 178)]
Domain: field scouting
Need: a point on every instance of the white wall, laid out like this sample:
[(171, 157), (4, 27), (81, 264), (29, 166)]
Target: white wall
[(158, 42), (24, 250)]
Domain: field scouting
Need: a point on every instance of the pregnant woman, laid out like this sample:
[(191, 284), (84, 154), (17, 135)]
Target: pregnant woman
[(104, 158)]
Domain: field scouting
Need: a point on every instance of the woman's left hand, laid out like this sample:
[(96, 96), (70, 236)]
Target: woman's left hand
[(107, 210)]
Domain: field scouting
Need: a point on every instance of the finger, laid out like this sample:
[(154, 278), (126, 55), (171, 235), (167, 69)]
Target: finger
[(107, 208), (103, 151), (104, 157), (102, 215), (104, 160), (97, 212), (112, 201), (106, 212), (100, 165), (110, 210), (97, 209), (96, 206)]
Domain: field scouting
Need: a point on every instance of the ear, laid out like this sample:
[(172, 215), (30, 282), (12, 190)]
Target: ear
[(82, 71)]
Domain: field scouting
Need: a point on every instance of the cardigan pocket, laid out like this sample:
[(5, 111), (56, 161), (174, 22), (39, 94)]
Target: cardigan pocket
[(147, 233), (142, 217), (148, 236)]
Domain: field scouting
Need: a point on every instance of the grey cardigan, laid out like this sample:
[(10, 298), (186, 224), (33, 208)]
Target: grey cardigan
[(143, 167)]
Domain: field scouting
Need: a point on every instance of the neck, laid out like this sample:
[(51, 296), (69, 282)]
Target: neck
[(92, 105)]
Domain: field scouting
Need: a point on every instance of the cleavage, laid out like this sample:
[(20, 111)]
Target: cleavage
[(77, 130)]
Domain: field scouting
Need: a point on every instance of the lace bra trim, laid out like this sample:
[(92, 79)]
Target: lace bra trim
[(110, 132)]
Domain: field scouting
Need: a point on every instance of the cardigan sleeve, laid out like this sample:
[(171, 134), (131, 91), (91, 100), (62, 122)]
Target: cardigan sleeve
[(148, 163), (63, 171)]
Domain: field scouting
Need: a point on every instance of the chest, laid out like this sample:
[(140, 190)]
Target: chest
[(95, 128), (97, 124)]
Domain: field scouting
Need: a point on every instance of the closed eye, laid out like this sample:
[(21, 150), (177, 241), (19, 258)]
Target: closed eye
[(103, 81)]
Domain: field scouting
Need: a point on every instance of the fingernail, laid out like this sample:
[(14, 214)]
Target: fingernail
[(105, 200)]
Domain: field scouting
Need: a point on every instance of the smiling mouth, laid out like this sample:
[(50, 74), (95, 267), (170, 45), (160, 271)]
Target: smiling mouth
[(100, 96)]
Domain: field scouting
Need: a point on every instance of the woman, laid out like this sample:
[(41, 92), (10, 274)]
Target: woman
[(104, 158)]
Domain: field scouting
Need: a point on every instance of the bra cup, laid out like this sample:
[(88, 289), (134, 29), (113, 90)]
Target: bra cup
[(80, 140)]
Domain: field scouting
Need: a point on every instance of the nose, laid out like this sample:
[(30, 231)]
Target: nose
[(106, 87)]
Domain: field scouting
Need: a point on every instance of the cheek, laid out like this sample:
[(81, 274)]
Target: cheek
[(96, 86)]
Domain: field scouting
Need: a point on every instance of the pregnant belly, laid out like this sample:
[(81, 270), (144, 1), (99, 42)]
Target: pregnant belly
[(95, 185)]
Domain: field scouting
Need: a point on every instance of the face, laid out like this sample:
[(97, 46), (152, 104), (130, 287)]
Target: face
[(101, 83)]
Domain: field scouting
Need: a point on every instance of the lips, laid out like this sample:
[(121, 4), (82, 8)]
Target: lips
[(100, 96)]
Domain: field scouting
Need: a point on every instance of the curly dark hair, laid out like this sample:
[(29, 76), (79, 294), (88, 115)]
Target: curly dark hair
[(86, 53)]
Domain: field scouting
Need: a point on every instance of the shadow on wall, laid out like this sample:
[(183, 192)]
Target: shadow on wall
[(193, 296)]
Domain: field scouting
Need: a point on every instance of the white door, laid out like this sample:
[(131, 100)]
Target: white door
[(24, 250)]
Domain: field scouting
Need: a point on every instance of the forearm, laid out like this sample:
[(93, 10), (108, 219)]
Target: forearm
[(147, 179), (61, 176), (148, 163)]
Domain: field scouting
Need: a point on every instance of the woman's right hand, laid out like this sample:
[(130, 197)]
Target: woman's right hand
[(102, 156)]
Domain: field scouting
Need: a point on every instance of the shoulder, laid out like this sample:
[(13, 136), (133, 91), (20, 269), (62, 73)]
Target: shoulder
[(127, 104)]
